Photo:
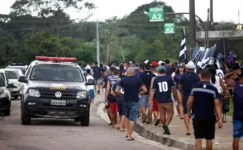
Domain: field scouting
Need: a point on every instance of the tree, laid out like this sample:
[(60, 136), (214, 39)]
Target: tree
[(46, 8)]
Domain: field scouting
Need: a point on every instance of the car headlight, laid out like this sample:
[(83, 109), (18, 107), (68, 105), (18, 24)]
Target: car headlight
[(81, 94), (34, 93), (4, 94)]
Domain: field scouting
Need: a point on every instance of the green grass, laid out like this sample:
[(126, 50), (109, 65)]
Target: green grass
[(231, 108)]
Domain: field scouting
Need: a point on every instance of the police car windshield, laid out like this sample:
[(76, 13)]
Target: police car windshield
[(56, 73), (12, 75)]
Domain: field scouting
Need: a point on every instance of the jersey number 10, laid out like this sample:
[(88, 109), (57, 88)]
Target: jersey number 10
[(163, 86)]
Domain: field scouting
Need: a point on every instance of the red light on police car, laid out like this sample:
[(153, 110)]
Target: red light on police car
[(44, 58)]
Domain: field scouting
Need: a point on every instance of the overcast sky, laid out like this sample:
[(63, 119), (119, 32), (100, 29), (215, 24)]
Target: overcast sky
[(224, 10)]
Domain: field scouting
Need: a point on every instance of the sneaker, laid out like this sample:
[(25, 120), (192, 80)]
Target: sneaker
[(166, 130)]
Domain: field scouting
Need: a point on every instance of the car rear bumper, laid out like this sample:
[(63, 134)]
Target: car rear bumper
[(4, 104), (37, 107)]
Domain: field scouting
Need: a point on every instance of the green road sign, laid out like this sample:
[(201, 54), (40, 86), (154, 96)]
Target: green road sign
[(156, 14), (169, 28)]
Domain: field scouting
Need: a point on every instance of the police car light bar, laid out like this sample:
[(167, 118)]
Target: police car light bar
[(44, 58)]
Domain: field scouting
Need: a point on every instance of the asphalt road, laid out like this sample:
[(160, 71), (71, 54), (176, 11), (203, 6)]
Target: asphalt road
[(46, 134)]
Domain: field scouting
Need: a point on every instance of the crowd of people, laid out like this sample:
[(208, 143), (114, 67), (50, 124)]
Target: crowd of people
[(153, 88)]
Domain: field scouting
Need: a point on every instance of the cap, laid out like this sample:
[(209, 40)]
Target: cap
[(154, 64), (190, 65), (160, 62), (146, 61), (160, 68)]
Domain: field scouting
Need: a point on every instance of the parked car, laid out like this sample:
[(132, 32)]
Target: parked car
[(13, 76), (23, 68), (5, 98)]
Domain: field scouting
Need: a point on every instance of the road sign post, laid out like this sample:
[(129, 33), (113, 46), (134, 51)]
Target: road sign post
[(156, 14), (169, 28)]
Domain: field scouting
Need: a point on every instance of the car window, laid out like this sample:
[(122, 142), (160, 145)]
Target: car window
[(56, 73), (23, 69), (12, 75), (2, 74), (2, 83)]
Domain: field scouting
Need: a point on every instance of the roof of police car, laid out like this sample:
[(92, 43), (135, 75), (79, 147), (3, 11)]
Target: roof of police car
[(40, 63)]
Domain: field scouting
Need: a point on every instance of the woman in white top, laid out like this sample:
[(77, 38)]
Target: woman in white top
[(218, 83)]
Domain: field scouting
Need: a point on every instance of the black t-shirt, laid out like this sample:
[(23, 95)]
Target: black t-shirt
[(97, 72), (131, 86), (187, 80), (204, 94), (146, 77)]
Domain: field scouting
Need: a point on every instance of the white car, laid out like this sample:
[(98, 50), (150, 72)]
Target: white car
[(13, 76)]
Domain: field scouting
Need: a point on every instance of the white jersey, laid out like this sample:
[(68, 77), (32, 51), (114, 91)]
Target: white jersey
[(217, 84), (90, 87)]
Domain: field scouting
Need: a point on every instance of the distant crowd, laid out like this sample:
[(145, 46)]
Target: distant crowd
[(154, 88)]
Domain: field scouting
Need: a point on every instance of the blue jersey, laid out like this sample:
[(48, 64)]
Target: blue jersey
[(162, 86), (112, 80)]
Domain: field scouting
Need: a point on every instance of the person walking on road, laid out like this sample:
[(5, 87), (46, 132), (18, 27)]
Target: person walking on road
[(131, 85), (186, 82), (97, 75), (146, 77), (120, 101), (91, 88), (112, 103), (162, 87), (238, 111), (204, 102)]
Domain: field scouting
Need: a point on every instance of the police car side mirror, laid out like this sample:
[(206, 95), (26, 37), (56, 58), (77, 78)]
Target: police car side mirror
[(90, 82), (10, 85), (22, 79)]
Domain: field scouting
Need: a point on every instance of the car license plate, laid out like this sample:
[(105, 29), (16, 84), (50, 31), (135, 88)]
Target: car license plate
[(58, 102)]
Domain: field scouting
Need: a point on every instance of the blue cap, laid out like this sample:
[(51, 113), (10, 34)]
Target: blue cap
[(160, 68)]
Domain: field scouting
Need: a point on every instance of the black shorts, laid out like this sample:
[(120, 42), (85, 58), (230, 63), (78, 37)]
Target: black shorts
[(204, 129)]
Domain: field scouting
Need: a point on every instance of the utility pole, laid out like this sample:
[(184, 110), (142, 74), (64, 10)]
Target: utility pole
[(192, 31), (97, 43), (211, 14), (207, 29)]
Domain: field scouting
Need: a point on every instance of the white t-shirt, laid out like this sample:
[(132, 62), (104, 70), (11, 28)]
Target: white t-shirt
[(217, 84), (90, 87)]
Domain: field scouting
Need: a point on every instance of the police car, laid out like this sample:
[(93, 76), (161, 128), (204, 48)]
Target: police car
[(55, 87)]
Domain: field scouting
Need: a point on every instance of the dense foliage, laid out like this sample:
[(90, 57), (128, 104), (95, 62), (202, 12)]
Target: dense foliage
[(46, 29)]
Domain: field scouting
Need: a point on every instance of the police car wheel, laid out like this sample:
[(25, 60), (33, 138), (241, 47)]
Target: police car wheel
[(25, 118), (7, 112), (85, 120)]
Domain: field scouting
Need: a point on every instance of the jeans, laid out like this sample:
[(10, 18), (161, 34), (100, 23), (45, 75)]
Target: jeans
[(131, 110)]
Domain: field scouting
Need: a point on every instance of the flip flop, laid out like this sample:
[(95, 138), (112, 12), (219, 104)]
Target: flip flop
[(144, 119), (157, 122), (131, 139)]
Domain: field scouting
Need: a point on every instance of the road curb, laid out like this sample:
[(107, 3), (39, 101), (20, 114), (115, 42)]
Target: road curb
[(168, 141)]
